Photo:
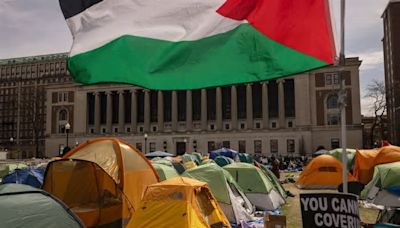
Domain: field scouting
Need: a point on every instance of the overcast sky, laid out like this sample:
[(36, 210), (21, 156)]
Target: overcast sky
[(35, 27)]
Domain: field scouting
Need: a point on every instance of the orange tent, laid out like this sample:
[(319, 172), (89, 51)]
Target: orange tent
[(104, 171), (364, 165), (387, 154), (323, 172)]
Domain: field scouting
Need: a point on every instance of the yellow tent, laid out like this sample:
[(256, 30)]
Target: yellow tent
[(102, 180), (323, 172), (179, 202), (364, 165)]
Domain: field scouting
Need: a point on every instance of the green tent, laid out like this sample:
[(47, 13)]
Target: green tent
[(255, 184), (223, 161), (207, 161), (384, 188), (198, 157), (165, 171), (243, 157), (337, 153), (224, 188), (25, 206), (274, 180)]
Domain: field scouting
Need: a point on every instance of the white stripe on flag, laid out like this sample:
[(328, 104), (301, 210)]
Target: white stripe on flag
[(172, 20)]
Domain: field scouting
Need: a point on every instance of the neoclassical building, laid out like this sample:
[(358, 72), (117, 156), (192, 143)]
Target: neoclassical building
[(289, 116)]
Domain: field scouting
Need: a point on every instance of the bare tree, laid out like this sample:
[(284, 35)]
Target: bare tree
[(377, 94)]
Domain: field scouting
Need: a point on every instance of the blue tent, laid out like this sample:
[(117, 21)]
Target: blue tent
[(160, 154), (29, 176), (224, 152), (223, 161)]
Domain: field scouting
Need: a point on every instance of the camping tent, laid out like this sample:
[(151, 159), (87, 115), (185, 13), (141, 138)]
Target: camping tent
[(224, 152), (30, 176), (164, 171), (387, 154), (230, 197), (179, 202), (243, 157), (25, 206), (384, 188), (323, 172), (337, 153), (223, 161), (156, 154), (257, 187), (364, 165), (7, 168), (273, 179), (124, 171)]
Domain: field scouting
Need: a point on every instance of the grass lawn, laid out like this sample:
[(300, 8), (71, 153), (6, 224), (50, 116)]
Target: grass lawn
[(293, 213)]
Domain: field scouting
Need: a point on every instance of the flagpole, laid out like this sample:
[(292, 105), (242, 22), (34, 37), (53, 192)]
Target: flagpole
[(342, 95)]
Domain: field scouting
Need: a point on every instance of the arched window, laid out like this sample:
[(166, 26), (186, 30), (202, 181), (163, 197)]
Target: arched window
[(332, 102), (62, 115)]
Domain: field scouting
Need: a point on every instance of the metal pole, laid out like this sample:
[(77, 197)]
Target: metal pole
[(342, 94), (145, 145), (67, 136)]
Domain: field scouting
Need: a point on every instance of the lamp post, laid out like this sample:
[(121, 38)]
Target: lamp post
[(67, 127), (145, 143)]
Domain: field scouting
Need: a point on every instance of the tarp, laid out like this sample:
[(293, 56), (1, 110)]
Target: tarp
[(337, 153), (25, 206), (323, 172), (257, 187), (164, 171), (384, 188), (224, 152), (364, 165), (179, 202), (30, 176), (224, 188)]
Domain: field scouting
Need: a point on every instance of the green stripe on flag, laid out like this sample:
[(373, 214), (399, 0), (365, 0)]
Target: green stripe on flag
[(238, 56)]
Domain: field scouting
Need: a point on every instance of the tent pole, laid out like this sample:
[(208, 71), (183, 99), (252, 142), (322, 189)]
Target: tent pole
[(342, 95)]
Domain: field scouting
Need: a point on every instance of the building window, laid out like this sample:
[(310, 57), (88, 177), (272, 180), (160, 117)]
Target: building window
[(211, 146), (152, 146), (258, 125), (273, 106), (331, 79), (128, 129), (226, 126), (257, 146), (116, 130), (289, 99), (335, 143), (290, 145), (242, 126), (332, 108), (139, 146), (226, 144), (274, 145), (212, 127), (62, 115), (91, 131), (290, 124), (241, 101), (226, 103), (211, 104), (62, 96), (154, 128), (273, 124), (103, 130), (196, 104), (242, 146), (181, 105)]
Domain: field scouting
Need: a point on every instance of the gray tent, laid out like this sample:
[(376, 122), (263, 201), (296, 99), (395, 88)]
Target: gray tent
[(25, 206)]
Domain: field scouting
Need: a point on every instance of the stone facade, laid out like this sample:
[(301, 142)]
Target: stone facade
[(391, 49), (290, 116)]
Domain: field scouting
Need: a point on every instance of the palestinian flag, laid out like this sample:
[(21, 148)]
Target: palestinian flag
[(189, 44)]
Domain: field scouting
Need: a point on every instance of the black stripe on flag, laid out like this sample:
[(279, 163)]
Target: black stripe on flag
[(71, 8)]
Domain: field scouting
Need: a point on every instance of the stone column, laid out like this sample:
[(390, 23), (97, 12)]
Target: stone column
[(133, 111), (281, 103), (146, 111), (234, 114), (97, 112), (174, 111), (189, 121), (218, 108), (204, 109), (160, 111), (249, 106), (265, 113), (109, 112), (121, 112)]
